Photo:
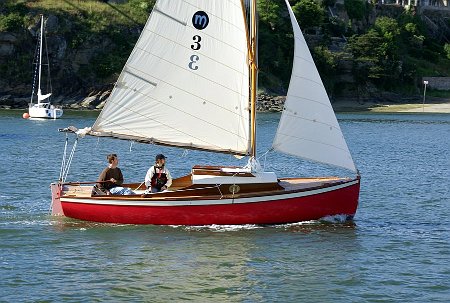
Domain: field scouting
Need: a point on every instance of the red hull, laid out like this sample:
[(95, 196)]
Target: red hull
[(311, 205)]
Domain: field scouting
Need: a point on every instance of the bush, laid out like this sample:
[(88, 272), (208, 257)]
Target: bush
[(309, 13), (10, 22), (447, 50), (356, 9)]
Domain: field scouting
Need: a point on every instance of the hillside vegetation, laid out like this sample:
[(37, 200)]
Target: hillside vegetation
[(362, 50)]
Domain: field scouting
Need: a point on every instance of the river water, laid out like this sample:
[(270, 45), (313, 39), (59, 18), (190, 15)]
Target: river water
[(397, 249)]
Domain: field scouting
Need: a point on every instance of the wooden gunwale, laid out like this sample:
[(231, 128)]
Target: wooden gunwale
[(181, 194)]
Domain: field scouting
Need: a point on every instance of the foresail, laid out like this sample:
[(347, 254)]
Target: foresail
[(308, 127), (186, 82)]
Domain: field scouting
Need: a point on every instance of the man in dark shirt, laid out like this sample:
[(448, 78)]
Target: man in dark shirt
[(111, 178)]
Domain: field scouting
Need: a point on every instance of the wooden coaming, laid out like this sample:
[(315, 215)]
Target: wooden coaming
[(217, 171)]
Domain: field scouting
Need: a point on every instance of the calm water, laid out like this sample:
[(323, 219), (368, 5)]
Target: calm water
[(396, 250)]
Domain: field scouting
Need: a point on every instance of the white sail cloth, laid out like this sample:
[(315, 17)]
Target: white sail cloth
[(42, 97), (308, 127), (185, 86)]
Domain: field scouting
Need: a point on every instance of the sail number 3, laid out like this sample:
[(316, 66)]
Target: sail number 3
[(200, 21)]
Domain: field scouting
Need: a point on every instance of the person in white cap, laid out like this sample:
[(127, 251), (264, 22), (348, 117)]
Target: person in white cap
[(158, 177)]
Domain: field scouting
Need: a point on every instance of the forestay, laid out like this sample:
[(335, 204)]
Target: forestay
[(308, 127), (186, 82)]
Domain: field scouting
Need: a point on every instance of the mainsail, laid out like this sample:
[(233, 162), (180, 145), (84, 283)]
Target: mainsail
[(308, 127), (186, 82)]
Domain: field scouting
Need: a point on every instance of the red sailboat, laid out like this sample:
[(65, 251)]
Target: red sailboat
[(190, 82)]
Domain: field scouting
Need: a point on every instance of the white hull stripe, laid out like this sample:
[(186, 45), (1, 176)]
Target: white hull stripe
[(148, 202)]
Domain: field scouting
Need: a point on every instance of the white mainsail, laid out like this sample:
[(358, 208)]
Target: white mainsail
[(308, 127), (186, 82)]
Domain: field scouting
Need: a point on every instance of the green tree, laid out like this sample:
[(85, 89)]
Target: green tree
[(326, 63), (275, 46), (447, 50), (375, 59), (309, 13), (356, 9)]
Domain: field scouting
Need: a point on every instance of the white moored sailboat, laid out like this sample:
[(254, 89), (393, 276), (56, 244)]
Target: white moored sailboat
[(42, 109), (190, 82)]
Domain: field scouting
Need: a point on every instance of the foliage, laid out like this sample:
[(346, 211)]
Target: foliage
[(276, 46), (388, 53), (10, 22), (326, 63), (269, 11), (337, 27), (356, 9), (326, 3), (309, 13), (447, 50), (12, 16)]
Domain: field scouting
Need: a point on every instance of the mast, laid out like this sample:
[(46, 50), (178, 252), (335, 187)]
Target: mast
[(40, 57), (253, 78)]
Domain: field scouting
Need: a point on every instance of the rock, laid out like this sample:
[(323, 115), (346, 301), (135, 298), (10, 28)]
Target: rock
[(51, 24), (87, 101), (266, 103), (7, 41), (8, 37), (57, 47), (6, 49)]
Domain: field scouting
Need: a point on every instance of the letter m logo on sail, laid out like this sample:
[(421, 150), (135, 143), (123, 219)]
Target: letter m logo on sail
[(200, 20)]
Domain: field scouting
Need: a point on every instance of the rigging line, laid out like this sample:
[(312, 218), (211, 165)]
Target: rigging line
[(139, 185), (155, 9), (49, 79), (63, 164), (69, 162), (265, 153)]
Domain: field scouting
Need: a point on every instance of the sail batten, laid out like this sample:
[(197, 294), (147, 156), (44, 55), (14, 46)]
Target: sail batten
[(308, 127), (186, 81)]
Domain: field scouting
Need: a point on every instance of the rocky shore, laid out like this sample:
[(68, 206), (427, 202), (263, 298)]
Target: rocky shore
[(266, 103), (97, 98)]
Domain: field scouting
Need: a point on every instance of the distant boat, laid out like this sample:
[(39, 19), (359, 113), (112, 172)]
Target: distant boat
[(190, 82), (41, 109)]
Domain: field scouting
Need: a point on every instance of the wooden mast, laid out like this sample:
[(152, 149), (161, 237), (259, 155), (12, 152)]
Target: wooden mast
[(253, 77)]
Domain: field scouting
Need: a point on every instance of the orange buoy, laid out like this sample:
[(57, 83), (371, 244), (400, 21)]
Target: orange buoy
[(26, 115)]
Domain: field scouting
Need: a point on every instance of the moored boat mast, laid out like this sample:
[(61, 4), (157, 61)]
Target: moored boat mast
[(40, 58)]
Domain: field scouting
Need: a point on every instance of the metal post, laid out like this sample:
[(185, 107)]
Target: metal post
[(425, 82)]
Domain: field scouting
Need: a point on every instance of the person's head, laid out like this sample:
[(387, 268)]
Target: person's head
[(160, 160), (111, 158)]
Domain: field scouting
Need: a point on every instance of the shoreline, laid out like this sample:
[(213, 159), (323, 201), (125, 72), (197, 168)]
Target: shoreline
[(438, 107)]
